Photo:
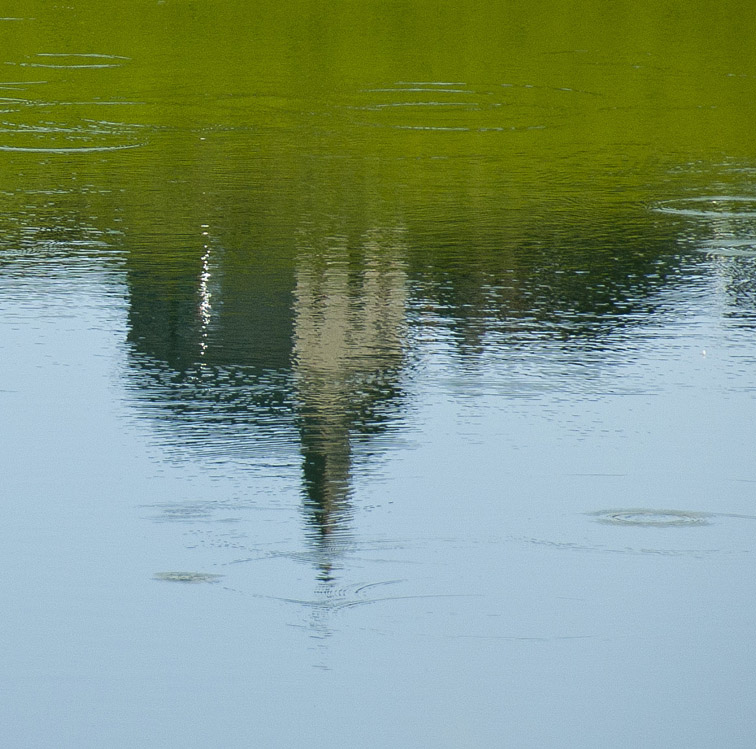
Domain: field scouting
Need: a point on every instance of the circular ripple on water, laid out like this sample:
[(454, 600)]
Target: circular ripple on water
[(81, 136), (710, 206), (739, 247), (652, 518), (187, 577)]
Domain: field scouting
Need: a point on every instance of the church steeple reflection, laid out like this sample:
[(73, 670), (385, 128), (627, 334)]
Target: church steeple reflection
[(349, 317)]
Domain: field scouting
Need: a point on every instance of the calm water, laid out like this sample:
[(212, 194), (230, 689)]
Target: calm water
[(377, 374)]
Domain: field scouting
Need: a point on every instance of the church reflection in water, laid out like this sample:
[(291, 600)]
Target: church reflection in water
[(233, 357), (282, 334), (349, 319)]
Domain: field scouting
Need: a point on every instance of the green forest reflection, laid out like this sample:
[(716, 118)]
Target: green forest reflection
[(289, 190)]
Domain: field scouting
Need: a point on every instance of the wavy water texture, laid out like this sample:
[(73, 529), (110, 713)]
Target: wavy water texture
[(397, 358), (76, 132)]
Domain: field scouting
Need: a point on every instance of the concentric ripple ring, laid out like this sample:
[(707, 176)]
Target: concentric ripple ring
[(714, 206), (652, 518)]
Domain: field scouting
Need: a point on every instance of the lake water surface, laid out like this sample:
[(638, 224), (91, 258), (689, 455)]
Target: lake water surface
[(377, 374)]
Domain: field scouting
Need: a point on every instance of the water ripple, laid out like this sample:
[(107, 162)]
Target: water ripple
[(65, 67), (187, 577), (726, 247), (652, 518), (68, 149), (715, 206), (75, 134), (83, 54), (71, 61)]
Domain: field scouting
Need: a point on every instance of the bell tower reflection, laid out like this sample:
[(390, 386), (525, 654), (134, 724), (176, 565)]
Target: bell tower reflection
[(349, 317)]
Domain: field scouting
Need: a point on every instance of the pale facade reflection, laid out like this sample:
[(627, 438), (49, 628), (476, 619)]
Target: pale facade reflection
[(349, 338)]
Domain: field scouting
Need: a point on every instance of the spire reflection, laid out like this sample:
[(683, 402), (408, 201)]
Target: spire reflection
[(349, 337)]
